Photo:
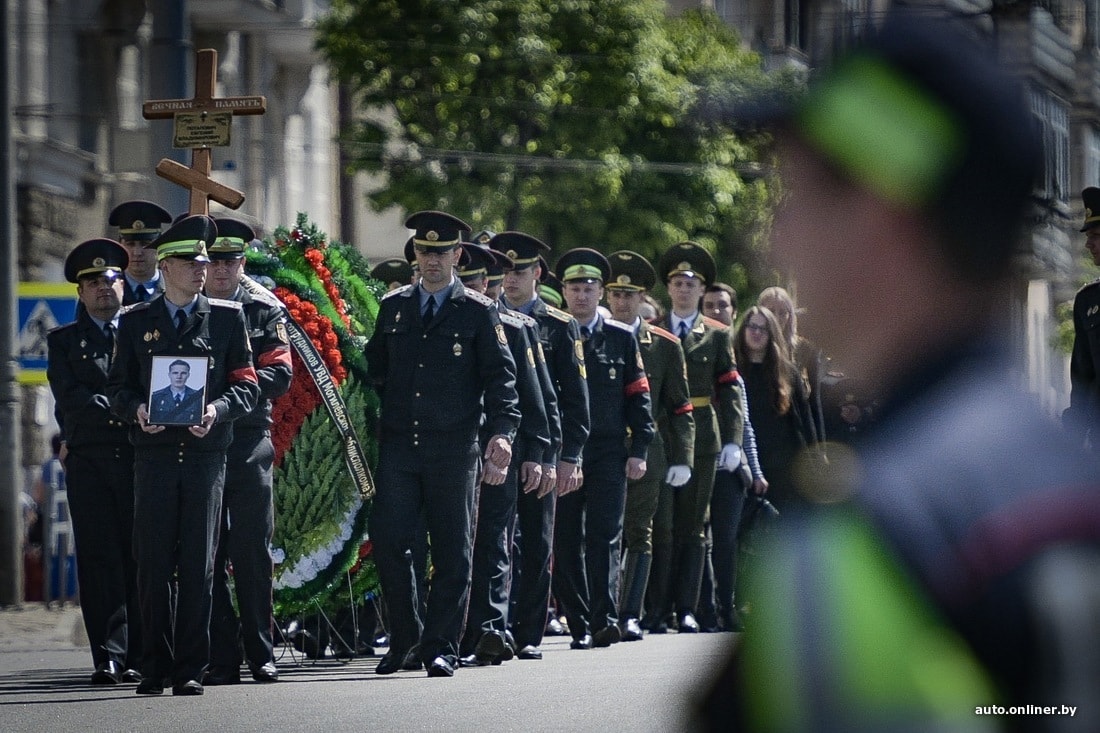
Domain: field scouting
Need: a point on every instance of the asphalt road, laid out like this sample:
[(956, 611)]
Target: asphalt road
[(640, 686)]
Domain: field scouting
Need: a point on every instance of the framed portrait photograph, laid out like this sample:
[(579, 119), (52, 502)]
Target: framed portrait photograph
[(177, 390)]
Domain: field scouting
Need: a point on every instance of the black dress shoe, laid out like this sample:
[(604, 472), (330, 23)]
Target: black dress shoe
[(687, 623), (607, 636), (440, 667), (219, 675), (585, 642), (151, 686), (108, 673), (510, 647), (555, 628), (529, 652), (632, 631), (190, 687), (490, 647), (131, 675), (412, 662), (392, 661), (265, 673), (470, 660)]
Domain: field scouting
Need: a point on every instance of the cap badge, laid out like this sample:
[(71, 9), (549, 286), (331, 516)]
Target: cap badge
[(511, 254), (99, 262), (138, 224), (432, 236), (683, 266), (623, 280)]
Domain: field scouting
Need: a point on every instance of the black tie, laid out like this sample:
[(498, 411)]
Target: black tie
[(683, 330), (109, 334), (181, 320), (585, 332), (140, 292), (429, 311), (178, 400)]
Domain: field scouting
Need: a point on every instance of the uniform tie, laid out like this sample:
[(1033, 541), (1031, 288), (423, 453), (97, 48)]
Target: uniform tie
[(109, 334), (179, 400), (140, 293), (429, 310), (585, 332), (181, 320), (683, 330)]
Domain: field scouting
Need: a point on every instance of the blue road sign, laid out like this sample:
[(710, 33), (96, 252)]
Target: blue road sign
[(42, 306)]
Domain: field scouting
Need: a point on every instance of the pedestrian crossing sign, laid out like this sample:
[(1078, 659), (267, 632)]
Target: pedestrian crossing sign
[(42, 307)]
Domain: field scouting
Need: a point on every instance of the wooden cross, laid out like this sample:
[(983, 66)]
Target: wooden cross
[(197, 178)]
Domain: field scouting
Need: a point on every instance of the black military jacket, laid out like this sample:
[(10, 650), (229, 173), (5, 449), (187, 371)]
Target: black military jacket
[(76, 368), (1084, 365), (561, 343), (267, 335), (534, 428), (216, 329), (443, 378), (618, 388)]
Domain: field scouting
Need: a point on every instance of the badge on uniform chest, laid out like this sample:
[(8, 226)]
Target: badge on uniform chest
[(457, 349), (153, 336), (611, 373)]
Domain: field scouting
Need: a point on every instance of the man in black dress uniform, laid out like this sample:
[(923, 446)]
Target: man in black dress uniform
[(179, 470), (559, 339), (139, 223), (99, 461), (248, 513), (485, 640), (589, 529), (440, 362)]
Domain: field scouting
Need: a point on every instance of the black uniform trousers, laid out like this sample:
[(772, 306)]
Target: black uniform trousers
[(490, 585), (588, 541), (726, 504), (435, 480), (177, 510), (532, 542), (248, 521), (100, 485)]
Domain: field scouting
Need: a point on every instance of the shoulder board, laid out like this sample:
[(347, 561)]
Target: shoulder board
[(134, 307), (619, 325), (62, 327), (223, 303), (401, 289), (558, 314), (510, 319), (664, 334), (525, 319), (1086, 286), (478, 297), (714, 322)]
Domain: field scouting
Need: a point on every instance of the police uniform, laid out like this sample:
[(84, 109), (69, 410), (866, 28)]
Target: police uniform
[(248, 515), (487, 615), (679, 527), (588, 531), (99, 472), (139, 222), (438, 378), (178, 476), (672, 443), (1083, 415), (563, 383)]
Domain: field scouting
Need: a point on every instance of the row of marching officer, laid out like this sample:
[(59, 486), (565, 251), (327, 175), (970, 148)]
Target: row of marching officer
[(589, 426), (158, 511)]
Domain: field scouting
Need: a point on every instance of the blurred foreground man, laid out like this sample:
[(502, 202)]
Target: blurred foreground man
[(955, 566)]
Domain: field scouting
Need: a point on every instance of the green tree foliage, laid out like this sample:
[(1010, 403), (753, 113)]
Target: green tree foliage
[(577, 121)]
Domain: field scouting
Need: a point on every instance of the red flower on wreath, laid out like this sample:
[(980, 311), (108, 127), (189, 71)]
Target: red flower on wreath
[(292, 409)]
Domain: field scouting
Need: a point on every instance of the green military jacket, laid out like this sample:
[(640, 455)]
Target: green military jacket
[(712, 382), (668, 387)]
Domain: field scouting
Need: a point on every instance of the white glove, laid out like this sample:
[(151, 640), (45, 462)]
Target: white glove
[(730, 457), (677, 476)]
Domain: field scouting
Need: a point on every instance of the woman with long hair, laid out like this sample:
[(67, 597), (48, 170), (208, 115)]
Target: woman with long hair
[(781, 416), (805, 354)]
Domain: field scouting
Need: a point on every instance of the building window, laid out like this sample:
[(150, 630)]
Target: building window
[(1053, 118)]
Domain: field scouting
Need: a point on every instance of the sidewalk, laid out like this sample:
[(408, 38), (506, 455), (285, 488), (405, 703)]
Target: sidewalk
[(36, 627)]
